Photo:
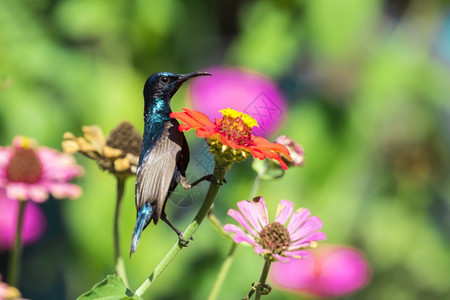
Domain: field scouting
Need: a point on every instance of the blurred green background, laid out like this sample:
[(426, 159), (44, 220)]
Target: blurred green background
[(368, 85)]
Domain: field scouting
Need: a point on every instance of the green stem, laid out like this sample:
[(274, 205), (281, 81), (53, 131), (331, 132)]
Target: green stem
[(219, 173), (120, 266), (263, 278), (223, 273), (255, 187), (217, 225), (229, 259), (14, 260)]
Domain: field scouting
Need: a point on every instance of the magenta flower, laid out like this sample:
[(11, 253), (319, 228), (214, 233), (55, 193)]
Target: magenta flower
[(331, 271), (34, 222), (28, 172), (275, 241), (242, 90)]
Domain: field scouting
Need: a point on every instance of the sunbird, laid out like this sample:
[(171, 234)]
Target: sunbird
[(164, 154)]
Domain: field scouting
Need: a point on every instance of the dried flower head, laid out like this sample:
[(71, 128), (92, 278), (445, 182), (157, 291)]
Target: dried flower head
[(118, 154)]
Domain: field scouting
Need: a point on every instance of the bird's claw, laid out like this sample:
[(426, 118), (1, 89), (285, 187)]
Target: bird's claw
[(184, 242), (213, 179)]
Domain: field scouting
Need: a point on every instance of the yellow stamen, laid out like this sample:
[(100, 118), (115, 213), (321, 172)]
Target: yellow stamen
[(27, 142), (247, 119)]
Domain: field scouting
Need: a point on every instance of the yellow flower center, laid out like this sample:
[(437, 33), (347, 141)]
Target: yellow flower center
[(234, 114), (236, 126)]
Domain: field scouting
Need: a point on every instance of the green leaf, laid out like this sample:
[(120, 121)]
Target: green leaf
[(111, 288)]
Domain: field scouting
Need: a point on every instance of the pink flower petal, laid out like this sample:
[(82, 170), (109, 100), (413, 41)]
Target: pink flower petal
[(306, 241), (281, 258), (248, 210), (312, 224), (62, 190), (258, 249), (58, 166), (5, 154), (298, 254), (241, 220), (284, 211), (263, 215), (298, 218), (17, 190), (240, 236), (37, 193)]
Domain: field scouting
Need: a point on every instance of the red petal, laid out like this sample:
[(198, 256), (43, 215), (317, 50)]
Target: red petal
[(192, 118), (265, 144)]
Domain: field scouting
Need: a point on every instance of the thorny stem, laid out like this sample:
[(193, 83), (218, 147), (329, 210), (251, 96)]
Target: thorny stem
[(219, 173), (120, 267), (14, 260)]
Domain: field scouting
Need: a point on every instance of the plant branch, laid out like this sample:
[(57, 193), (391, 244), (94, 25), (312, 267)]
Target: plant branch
[(14, 260), (262, 280), (120, 266)]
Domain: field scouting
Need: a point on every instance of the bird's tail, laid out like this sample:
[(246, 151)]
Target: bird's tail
[(143, 218)]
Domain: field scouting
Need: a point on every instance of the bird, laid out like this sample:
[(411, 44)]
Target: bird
[(164, 155)]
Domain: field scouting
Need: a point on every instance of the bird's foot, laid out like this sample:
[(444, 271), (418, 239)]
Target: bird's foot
[(182, 241), (213, 179)]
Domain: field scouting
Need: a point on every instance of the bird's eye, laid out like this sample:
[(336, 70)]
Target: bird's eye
[(164, 79)]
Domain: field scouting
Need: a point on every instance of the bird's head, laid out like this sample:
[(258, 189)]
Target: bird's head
[(164, 85)]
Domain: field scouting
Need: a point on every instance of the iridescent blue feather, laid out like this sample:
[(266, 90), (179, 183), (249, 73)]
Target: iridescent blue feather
[(143, 218)]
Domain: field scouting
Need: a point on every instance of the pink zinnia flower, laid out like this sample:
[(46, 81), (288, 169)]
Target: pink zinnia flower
[(331, 271), (274, 240), (28, 172), (34, 222)]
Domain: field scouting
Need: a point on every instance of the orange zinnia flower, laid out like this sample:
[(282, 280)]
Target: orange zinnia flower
[(231, 136)]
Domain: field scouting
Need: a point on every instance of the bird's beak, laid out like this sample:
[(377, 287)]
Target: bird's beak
[(182, 79), (188, 76)]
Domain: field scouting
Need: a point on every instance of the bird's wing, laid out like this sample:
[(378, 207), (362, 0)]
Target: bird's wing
[(156, 171), (183, 158)]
